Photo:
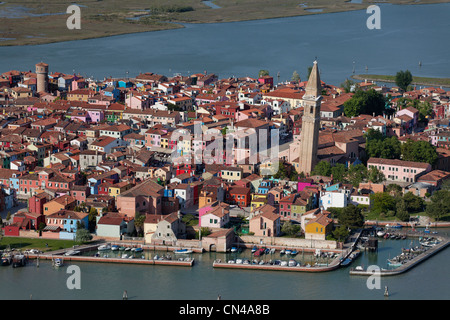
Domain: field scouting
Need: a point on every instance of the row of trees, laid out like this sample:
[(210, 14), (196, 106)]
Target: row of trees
[(380, 146), (354, 174)]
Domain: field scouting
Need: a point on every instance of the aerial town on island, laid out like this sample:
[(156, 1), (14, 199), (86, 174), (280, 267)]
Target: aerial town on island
[(130, 159)]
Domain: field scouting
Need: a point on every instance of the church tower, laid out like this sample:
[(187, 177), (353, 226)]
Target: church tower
[(309, 138)]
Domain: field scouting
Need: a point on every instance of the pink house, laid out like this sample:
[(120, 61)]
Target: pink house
[(302, 183), (215, 215), (411, 112), (399, 170)]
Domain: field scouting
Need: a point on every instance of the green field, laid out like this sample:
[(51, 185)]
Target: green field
[(32, 243), (424, 81), (45, 21)]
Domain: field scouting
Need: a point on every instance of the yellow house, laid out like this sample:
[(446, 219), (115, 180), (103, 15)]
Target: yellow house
[(231, 174), (258, 200), (319, 227), (118, 188)]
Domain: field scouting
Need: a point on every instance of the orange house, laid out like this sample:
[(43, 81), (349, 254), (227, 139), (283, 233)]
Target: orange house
[(64, 202)]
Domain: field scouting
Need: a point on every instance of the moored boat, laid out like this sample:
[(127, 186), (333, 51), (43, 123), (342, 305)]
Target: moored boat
[(104, 247), (183, 251), (6, 260), (18, 261)]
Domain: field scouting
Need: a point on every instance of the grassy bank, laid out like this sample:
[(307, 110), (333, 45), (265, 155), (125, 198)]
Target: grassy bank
[(31, 243), (423, 81), (45, 22)]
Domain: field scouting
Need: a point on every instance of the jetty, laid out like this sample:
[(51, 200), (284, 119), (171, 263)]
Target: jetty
[(272, 267), (410, 263), (75, 255)]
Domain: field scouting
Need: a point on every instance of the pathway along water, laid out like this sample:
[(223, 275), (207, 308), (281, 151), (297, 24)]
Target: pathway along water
[(428, 280), (341, 42)]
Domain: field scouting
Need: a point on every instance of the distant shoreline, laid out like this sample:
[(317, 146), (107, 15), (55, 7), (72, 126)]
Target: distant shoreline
[(423, 81), (22, 32)]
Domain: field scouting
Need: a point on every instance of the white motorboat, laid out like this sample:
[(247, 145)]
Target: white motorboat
[(183, 251), (57, 263), (104, 247), (124, 256)]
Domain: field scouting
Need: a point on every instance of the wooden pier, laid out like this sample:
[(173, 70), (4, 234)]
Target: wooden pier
[(409, 264), (183, 263), (268, 267)]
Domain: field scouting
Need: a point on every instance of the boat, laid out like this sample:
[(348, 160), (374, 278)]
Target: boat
[(138, 250), (233, 249), (18, 261), (114, 247), (346, 262), (6, 260), (292, 263), (183, 251), (238, 261), (254, 249), (72, 253), (394, 226), (287, 251), (359, 268), (294, 252), (58, 262), (104, 247), (394, 263), (259, 252), (131, 257), (127, 249), (261, 262), (156, 257), (125, 256), (283, 251), (381, 233), (121, 248), (283, 263), (273, 250)]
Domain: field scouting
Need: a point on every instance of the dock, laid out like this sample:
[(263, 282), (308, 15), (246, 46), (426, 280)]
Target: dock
[(266, 267), (183, 263), (409, 264)]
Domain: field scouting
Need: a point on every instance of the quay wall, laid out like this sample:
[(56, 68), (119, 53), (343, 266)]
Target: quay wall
[(288, 242), (274, 268), (113, 260)]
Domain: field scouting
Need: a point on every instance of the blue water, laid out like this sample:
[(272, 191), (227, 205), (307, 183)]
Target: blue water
[(427, 281), (340, 41)]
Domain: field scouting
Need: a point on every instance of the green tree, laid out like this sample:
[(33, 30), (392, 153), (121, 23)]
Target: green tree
[(339, 172), (374, 175), (403, 79), (351, 217), (322, 168), (347, 85), (340, 233), (290, 229), (419, 151), (413, 203), (439, 205), (83, 235), (401, 210), (365, 102), (263, 73), (357, 174), (382, 202), (139, 220), (295, 76)]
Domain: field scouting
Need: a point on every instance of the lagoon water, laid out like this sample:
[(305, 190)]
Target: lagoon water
[(340, 41), (101, 281)]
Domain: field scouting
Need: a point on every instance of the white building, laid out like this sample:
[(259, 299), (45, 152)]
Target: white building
[(334, 199)]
